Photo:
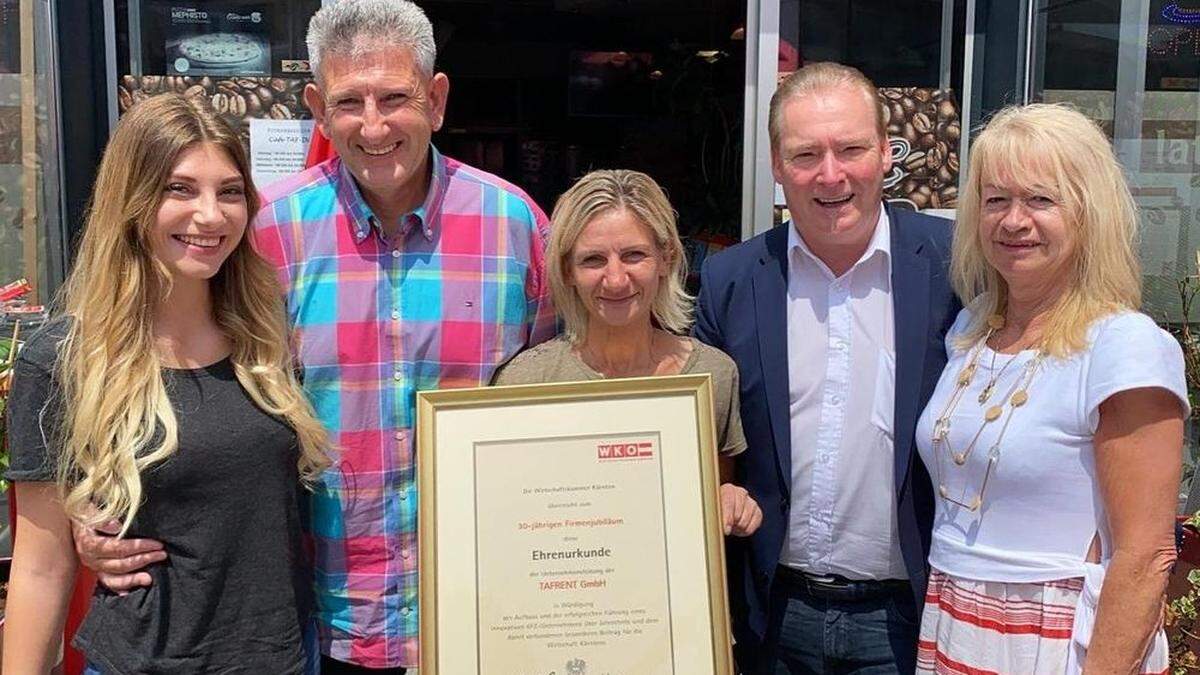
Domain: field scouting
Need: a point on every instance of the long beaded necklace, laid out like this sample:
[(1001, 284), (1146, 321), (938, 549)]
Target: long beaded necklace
[(1016, 396), (988, 389)]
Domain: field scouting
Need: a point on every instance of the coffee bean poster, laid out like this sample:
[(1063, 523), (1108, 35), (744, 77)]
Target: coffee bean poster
[(215, 39), (923, 129), (237, 99)]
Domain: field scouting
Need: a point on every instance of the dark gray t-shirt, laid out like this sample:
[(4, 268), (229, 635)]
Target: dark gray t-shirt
[(234, 593)]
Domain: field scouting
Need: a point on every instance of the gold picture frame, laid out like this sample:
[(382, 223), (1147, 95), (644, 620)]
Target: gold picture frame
[(572, 528)]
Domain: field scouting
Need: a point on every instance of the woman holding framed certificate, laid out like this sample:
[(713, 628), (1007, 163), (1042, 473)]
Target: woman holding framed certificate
[(616, 269)]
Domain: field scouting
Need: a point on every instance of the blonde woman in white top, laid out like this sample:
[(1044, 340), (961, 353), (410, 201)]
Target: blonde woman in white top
[(1054, 436)]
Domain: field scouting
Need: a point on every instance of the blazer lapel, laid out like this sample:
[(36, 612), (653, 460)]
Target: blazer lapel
[(910, 309), (770, 313)]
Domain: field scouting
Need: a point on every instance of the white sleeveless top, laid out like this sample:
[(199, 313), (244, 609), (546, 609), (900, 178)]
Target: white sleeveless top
[(1042, 504)]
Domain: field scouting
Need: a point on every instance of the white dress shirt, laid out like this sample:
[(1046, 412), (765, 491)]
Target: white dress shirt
[(841, 382)]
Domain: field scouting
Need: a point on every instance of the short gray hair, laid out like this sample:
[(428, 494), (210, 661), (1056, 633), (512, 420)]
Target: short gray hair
[(355, 27)]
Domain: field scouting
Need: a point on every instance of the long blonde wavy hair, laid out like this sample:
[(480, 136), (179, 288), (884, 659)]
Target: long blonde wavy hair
[(117, 418), (1052, 146)]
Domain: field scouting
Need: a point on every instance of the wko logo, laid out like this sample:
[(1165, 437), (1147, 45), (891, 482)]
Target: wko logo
[(624, 451)]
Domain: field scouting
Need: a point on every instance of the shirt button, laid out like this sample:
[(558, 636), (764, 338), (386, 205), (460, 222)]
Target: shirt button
[(399, 435), (403, 553), (397, 376), (404, 611), (395, 253), (836, 400), (403, 496), (395, 314)]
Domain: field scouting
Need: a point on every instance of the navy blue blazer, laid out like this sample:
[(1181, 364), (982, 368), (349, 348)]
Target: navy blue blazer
[(742, 310)]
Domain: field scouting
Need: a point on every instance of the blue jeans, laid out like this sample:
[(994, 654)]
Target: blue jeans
[(866, 628)]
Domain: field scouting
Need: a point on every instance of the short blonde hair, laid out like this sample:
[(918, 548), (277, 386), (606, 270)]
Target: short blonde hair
[(1052, 146), (823, 76), (598, 193)]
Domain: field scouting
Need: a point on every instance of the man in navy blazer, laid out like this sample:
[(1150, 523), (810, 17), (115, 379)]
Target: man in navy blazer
[(836, 320)]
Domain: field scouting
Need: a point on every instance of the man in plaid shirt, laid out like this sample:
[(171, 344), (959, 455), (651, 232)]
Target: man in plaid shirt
[(403, 270)]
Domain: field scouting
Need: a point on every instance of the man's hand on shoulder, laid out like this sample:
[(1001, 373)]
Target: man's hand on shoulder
[(119, 564)]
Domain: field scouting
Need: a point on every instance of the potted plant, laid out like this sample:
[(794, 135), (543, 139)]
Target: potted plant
[(1183, 608), (1183, 590)]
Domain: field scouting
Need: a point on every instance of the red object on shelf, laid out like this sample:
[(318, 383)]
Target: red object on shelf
[(319, 149), (15, 290), (77, 609)]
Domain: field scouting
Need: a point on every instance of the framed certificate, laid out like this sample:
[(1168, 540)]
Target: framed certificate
[(573, 529)]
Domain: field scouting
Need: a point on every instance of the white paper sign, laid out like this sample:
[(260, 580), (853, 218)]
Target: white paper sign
[(278, 148)]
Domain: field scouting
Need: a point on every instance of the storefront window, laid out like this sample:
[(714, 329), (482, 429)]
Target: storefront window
[(30, 220), (1144, 54), (30, 210), (1142, 84), (247, 58), (540, 93)]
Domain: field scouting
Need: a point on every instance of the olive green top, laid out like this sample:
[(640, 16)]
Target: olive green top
[(555, 361)]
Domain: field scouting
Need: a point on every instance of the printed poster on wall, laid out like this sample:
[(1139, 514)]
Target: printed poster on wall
[(214, 39), (277, 148)]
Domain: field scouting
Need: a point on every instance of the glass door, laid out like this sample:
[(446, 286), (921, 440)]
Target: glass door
[(30, 213), (540, 92), (31, 235), (1141, 83)]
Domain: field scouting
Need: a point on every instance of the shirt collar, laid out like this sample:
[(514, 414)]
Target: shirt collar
[(880, 244), (362, 219)]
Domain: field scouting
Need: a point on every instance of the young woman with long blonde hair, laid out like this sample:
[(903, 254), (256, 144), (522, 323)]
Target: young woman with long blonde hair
[(164, 397)]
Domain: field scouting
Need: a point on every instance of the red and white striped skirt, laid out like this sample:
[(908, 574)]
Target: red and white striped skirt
[(980, 627)]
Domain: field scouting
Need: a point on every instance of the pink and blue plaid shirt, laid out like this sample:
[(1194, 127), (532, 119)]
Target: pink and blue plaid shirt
[(460, 291)]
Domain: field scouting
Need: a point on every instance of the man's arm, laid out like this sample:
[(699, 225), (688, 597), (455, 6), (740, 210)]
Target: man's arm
[(119, 564), (543, 322), (707, 329), (741, 515)]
